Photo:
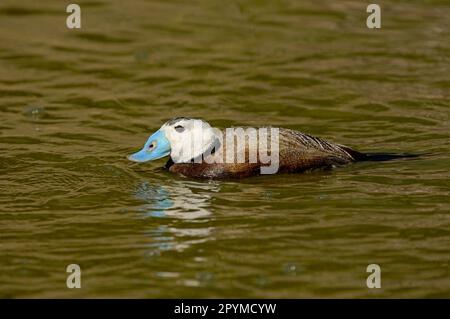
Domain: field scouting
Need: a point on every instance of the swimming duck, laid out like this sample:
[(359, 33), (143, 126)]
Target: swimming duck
[(198, 150)]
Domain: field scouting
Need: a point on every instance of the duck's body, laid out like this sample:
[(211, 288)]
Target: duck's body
[(296, 152)]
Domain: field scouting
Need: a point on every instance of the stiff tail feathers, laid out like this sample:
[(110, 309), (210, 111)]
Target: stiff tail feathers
[(382, 157), (376, 157)]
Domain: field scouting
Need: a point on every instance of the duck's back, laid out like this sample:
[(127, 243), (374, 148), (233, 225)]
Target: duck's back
[(298, 152)]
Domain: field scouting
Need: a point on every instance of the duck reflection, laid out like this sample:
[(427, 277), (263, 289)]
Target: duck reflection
[(185, 209), (183, 200)]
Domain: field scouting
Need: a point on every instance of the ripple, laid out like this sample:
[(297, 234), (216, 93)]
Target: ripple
[(74, 105)]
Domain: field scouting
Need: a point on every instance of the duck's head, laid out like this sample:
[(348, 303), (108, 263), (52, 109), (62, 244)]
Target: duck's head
[(182, 138)]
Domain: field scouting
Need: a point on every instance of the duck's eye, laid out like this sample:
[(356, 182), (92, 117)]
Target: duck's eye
[(179, 129), (152, 146)]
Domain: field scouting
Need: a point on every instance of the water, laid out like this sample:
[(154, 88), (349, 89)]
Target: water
[(75, 103)]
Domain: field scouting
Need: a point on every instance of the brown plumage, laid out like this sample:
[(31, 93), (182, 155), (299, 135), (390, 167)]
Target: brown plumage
[(298, 152)]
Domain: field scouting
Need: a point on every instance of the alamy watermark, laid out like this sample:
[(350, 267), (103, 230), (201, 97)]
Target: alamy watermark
[(236, 145), (74, 279), (374, 279), (374, 19), (73, 21)]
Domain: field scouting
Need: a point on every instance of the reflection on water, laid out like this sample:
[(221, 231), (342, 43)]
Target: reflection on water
[(157, 198), (185, 200), (181, 199)]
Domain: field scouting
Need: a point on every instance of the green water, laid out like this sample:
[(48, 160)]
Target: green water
[(75, 103)]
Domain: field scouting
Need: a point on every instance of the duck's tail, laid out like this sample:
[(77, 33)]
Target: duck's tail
[(378, 157), (381, 157)]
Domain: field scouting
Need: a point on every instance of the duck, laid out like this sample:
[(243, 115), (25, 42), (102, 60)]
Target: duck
[(195, 149)]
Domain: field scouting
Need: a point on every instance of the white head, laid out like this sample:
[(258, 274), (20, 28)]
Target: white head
[(183, 138)]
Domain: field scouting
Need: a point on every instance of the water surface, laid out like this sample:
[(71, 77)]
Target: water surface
[(75, 103)]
